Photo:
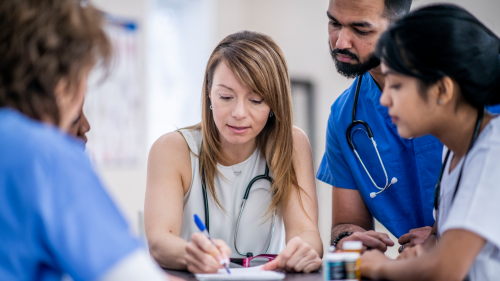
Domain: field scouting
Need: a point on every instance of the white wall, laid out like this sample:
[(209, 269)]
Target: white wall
[(487, 11), (170, 95), (300, 29), (127, 184)]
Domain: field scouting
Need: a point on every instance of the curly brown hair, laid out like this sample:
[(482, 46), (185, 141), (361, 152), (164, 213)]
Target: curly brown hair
[(43, 42)]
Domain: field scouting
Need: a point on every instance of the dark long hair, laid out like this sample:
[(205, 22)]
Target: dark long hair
[(445, 40)]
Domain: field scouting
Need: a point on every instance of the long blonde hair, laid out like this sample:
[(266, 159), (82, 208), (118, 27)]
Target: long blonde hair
[(260, 65)]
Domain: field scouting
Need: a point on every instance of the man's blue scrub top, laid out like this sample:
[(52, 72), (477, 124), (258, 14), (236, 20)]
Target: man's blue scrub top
[(415, 163), (55, 216)]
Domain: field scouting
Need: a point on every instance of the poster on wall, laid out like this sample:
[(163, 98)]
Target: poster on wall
[(114, 103)]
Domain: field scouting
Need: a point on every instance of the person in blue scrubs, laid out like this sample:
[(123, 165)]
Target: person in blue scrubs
[(80, 127), (404, 208), (56, 219)]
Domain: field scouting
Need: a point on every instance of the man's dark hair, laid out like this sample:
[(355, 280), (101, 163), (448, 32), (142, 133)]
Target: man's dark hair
[(395, 9), (43, 42)]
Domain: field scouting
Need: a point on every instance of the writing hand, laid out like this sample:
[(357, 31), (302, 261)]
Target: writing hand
[(202, 256)]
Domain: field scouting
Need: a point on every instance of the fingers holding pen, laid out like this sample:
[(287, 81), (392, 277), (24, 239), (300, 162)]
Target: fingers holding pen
[(201, 255), (223, 248), (198, 261)]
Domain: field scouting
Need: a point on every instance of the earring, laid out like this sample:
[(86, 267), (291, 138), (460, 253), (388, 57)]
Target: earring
[(211, 107), (440, 101), (271, 114)]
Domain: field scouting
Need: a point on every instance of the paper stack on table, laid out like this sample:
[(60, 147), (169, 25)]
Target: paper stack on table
[(244, 273)]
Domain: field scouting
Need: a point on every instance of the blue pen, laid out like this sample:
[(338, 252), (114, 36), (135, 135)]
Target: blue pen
[(215, 254)]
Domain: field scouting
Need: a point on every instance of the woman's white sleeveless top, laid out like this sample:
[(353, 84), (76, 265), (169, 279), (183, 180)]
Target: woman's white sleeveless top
[(255, 228)]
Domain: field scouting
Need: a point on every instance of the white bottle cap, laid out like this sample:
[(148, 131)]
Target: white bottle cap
[(334, 257), (331, 249), (352, 245), (351, 256)]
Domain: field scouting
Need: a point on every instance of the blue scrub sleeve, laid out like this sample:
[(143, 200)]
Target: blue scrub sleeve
[(82, 228), (494, 108), (334, 169)]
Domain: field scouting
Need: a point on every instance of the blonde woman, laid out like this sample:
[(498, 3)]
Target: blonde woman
[(246, 132)]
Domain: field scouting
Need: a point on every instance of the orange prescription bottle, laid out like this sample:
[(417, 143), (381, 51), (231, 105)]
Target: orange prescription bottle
[(352, 246), (351, 265)]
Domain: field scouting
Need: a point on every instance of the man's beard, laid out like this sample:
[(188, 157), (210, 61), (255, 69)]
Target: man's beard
[(353, 70)]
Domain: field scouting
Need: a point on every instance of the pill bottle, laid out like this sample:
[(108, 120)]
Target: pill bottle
[(352, 246), (333, 267), (351, 264)]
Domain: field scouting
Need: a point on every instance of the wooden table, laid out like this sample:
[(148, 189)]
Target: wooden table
[(315, 276)]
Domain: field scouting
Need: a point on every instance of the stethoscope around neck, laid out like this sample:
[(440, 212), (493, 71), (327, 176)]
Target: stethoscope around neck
[(367, 130), (265, 176), (437, 190)]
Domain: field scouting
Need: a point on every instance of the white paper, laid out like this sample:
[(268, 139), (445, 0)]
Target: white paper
[(243, 273)]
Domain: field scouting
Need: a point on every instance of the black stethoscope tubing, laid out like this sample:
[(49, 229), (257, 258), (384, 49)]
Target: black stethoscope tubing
[(265, 176), (437, 190), (369, 133), (354, 122)]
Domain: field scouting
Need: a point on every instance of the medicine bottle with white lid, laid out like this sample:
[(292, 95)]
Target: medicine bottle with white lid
[(333, 267), (352, 266), (352, 246)]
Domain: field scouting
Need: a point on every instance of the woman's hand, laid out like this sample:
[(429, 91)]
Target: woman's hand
[(412, 252), (200, 254), (371, 262), (415, 236), (298, 256)]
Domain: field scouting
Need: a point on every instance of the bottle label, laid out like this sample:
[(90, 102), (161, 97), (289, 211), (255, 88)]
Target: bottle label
[(337, 271)]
